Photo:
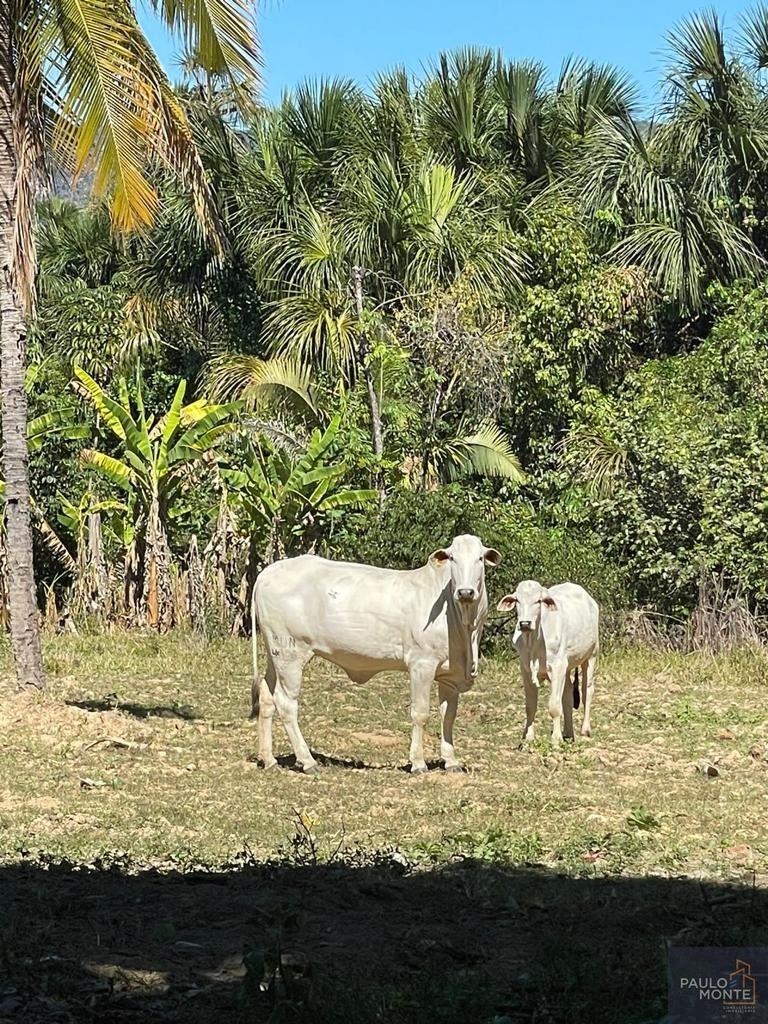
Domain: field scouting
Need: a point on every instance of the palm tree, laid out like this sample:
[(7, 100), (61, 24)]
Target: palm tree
[(683, 190), (391, 231), (81, 73)]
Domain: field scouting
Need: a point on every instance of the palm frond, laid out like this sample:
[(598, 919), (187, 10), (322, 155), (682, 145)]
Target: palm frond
[(460, 107), (754, 32), (117, 111), (520, 87), (255, 381), (594, 458), (680, 257), (697, 51), (110, 110), (221, 34), (485, 451), (314, 328)]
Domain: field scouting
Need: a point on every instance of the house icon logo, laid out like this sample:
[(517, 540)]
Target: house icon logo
[(718, 985), (742, 986)]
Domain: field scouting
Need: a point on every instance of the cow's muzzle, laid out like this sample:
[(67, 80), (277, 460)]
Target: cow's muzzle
[(525, 625), (465, 595)]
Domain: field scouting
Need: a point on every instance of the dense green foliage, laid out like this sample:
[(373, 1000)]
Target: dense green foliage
[(508, 305), (672, 469), (413, 525)]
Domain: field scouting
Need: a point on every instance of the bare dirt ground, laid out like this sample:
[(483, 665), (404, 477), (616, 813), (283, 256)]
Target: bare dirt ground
[(150, 870)]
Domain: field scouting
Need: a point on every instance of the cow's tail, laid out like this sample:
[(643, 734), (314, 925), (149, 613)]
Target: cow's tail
[(254, 656), (576, 690)]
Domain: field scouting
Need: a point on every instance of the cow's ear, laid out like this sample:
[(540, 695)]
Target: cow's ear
[(492, 556), (548, 601), (440, 556), (507, 603)]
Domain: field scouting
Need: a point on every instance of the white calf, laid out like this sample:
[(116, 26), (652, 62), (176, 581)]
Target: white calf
[(557, 632)]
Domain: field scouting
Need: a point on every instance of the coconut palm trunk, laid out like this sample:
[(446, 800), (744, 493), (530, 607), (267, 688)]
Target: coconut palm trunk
[(25, 634)]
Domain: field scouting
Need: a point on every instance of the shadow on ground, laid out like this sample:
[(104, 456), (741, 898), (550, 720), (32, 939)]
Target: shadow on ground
[(113, 703), (362, 943), (353, 763)]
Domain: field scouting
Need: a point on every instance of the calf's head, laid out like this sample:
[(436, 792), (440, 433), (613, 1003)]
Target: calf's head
[(528, 601), (467, 557)]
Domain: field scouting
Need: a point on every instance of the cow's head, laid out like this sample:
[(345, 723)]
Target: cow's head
[(467, 557), (528, 600)]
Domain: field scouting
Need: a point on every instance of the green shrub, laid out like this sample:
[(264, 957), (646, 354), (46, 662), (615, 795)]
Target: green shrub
[(671, 472), (412, 525)]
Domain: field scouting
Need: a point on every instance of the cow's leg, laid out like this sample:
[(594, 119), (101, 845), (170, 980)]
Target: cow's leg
[(422, 676), (557, 675), (264, 710), (255, 696), (449, 704), (531, 703), (287, 690), (568, 707), (588, 689)]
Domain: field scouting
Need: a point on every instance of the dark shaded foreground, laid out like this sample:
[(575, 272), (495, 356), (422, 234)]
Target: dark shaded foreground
[(360, 943)]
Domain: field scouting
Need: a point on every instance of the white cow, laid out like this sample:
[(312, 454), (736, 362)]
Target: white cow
[(557, 632), (426, 622)]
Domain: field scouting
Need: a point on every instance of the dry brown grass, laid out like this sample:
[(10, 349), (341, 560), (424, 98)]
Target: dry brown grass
[(539, 886)]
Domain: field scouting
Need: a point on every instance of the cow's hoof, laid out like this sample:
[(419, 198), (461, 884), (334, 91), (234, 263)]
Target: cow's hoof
[(267, 764), (586, 734), (454, 769), (312, 769), (419, 771)]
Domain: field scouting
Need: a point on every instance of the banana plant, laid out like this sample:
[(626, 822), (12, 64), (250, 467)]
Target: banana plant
[(281, 494), (85, 521), (156, 461)]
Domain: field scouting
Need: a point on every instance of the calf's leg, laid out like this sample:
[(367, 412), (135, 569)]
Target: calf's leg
[(588, 677), (568, 707), (449, 704), (531, 703), (557, 674)]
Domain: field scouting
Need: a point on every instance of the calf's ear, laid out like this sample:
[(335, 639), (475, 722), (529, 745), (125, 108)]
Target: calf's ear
[(440, 556), (507, 603), (492, 556)]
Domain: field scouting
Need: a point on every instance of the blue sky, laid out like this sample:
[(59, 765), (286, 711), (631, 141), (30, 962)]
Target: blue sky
[(353, 39)]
